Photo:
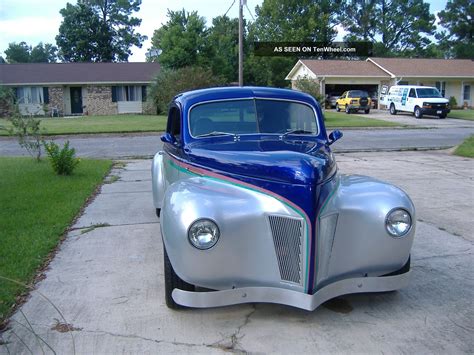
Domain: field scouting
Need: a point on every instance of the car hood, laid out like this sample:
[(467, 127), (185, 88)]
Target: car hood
[(285, 161), (435, 100)]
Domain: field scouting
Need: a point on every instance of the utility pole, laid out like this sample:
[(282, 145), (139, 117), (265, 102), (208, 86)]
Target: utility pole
[(241, 42)]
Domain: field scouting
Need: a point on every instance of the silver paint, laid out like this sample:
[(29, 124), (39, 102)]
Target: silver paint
[(289, 297)]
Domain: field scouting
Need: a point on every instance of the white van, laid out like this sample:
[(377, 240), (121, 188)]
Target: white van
[(420, 100)]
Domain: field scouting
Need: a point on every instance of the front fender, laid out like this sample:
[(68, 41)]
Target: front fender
[(158, 180), (353, 241), (245, 254)]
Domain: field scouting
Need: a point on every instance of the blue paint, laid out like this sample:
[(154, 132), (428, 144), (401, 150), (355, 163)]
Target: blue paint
[(299, 168)]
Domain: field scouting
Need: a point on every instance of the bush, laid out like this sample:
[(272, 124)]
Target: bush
[(62, 160), (311, 87), (28, 132), (171, 82), (452, 102)]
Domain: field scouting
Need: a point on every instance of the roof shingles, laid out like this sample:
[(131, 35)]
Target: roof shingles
[(77, 73)]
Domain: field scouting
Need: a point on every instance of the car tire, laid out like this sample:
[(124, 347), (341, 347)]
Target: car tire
[(158, 212), (442, 116), (338, 109), (418, 113), (367, 111), (173, 281), (348, 110), (393, 111)]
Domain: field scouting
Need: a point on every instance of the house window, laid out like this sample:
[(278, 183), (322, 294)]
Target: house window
[(128, 93), (467, 92), (441, 86), (30, 95)]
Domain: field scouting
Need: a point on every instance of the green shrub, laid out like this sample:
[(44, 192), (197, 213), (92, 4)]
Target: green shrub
[(310, 86), (28, 132), (171, 82), (452, 102), (62, 160)]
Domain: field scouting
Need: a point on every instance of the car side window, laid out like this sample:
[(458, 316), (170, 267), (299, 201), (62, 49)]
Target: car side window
[(174, 123), (412, 93)]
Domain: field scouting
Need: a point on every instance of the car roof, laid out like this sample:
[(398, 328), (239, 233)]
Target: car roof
[(222, 93)]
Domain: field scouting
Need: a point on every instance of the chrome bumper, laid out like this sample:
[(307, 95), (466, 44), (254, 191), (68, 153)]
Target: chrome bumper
[(289, 297)]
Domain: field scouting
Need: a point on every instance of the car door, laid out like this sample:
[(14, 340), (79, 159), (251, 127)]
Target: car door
[(342, 100), (411, 100)]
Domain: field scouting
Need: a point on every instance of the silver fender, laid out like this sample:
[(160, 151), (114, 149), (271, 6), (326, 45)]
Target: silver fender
[(353, 241), (245, 254), (158, 180)]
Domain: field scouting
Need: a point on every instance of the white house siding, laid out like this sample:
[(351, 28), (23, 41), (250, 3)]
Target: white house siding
[(129, 107), (31, 109)]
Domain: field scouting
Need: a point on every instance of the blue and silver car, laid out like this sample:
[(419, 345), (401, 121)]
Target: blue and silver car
[(253, 207)]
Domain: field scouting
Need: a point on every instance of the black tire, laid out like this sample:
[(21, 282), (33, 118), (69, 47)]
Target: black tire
[(158, 211), (393, 111), (173, 281), (338, 109), (418, 113), (443, 116), (367, 111), (348, 110)]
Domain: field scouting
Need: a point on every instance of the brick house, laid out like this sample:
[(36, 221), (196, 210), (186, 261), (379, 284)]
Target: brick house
[(80, 88), (452, 77)]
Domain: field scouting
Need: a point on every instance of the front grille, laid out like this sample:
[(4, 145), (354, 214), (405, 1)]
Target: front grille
[(288, 240), (438, 106)]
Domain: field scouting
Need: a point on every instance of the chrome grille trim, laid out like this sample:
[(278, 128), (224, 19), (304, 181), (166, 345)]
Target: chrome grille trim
[(287, 236)]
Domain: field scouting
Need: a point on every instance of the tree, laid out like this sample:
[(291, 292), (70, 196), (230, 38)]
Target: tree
[(181, 40), (396, 27), (116, 16), (288, 21), (24, 53), (222, 52), (457, 18), (43, 53), (98, 31), (297, 20), (18, 53), (170, 82)]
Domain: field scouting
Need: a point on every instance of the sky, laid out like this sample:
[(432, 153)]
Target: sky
[(34, 21)]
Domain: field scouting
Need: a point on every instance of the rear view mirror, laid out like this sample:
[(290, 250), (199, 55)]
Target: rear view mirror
[(334, 136), (168, 138)]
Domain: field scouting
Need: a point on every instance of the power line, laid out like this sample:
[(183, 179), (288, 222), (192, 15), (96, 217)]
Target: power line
[(230, 7), (250, 12)]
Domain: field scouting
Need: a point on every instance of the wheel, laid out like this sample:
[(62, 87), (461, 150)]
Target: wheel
[(173, 281), (418, 113), (348, 110), (367, 111), (338, 108), (443, 115), (392, 109), (158, 211)]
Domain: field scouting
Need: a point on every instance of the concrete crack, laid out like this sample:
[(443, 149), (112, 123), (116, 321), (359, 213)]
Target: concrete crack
[(231, 343)]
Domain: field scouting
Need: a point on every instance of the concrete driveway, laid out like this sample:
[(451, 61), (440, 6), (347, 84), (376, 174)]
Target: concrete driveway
[(405, 118), (107, 281)]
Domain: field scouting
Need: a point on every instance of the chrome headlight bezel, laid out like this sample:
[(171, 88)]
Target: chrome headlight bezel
[(391, 218), (203, 226)]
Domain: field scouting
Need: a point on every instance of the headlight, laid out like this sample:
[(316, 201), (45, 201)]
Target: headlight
[(203, 234), (398, 222)]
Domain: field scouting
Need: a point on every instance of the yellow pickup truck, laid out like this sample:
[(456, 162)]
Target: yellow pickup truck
[(353, 101)]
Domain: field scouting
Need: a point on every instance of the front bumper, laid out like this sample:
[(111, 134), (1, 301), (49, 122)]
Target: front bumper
[(390, 282), (358, 107), (435, 111)]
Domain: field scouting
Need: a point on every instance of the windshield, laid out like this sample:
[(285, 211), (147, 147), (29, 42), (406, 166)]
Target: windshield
[(357, 93), (427, 92), (252, 116)]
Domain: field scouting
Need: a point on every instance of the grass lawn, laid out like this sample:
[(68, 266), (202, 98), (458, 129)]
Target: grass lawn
[(339, 119), (462, 114), (466, 149), (37, 207), (100, 124)]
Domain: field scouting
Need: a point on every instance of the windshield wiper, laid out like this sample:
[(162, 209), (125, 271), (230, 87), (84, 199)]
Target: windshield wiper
[(297, 131), (216, 133)]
